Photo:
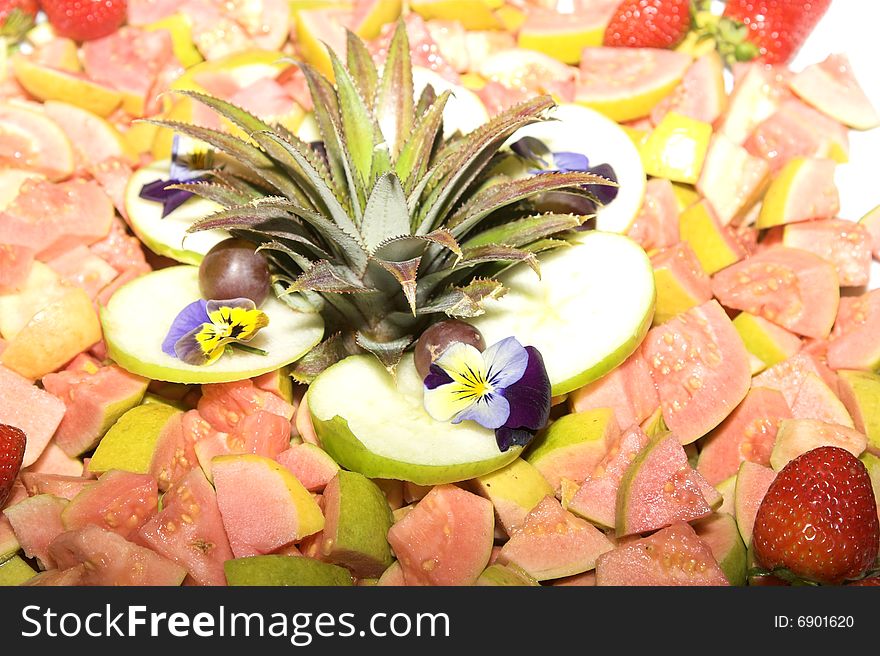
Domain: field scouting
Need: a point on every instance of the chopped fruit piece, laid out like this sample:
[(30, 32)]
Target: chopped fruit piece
[(676, 148), (564, 36), (816, 400), (572, 446), (656, 225), (860, 392), (831, 87), (680, 281), (854, 343), (765, 340), (552, 543), (714, 245), (700, 368), (797, 436), (626, 83), (803, 190), (792, 288), (118, 501), (752, 482), (732, 180), (514, 491), (30, 409)]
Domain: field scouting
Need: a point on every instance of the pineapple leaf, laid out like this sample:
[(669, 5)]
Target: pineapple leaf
[(394, 101), (299, 259), (303, 156), (412, 163), (329, 125), (402, 248), (221, 194), (362, 66), (465, 302), (546, 245), (386, 213), (357, 122), (325, 354), (502, 194), (427, 98), (406, 273), (525, 231), (389, 352), (325, 277), (498, 253), (238, 150), (470, 157)]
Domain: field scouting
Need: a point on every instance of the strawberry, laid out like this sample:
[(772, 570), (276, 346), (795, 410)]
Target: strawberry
[(84, 20), (12, 445), (649, 24), (819, 518), (870, 581), (777, 28)]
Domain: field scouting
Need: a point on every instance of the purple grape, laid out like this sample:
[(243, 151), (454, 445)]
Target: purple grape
[(233, 269), (437, 339)]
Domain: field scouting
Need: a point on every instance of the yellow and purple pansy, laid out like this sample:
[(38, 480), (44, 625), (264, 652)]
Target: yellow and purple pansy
[(189, 168), (203, 330), (505, 388)]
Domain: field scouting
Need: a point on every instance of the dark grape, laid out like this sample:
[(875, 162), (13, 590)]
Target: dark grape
[(438, 337), (233, 269)]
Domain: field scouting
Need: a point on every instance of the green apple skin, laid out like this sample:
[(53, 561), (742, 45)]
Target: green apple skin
[(275, 570), (337, 440), (505, 576)]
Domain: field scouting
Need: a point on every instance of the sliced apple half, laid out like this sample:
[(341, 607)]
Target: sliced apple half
[(583, 130), (375, 424), (138, 316), (168, 236), (586, 314)]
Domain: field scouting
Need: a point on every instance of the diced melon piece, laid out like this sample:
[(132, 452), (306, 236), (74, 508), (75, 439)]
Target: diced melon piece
[(679, 280), (312, 466), (797, 436), (357, 519), (95, 397), (628, 390), (446, 539), (264, 507), (514, 491), (803, 190), (714, 246), (552, 543), (34, 411), (37, 522), (732, 180), (573, 445)]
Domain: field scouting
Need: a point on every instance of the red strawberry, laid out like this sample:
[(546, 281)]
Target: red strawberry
[(649, 24), (12, 445), (871, 581), (84, 20), (777, 27), (28, 7), (819, 518)]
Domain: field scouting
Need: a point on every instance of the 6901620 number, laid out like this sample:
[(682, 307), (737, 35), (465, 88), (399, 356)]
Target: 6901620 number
[(824, 621)]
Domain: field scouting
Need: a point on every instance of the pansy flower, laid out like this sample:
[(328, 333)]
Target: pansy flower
[(505, 388), (539, 155), (191, 168), (203, 330)]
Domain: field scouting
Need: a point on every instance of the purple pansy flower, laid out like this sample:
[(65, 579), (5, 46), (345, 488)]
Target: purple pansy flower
[(179, 172), (201, 331), (505, 388)]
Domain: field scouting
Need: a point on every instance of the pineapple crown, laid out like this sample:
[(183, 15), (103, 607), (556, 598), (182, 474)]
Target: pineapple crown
[(389, 225)]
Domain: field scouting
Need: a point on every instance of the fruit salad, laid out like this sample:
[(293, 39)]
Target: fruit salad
[(439, 292)]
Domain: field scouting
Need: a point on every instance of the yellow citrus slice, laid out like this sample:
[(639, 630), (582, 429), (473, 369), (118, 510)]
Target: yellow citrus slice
[(47, 83)]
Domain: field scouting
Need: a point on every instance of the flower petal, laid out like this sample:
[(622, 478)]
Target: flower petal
[(529, 398), (505, 362), (239, 316), (447, 401), (464, 363), (605, 193), (436, 377), (202, 345), (188, 319), (491, 410), (567, 161), (507, 437)]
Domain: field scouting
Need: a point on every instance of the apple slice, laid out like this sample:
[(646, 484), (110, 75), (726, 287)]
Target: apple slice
[(168, 236), (587, 312), (139, 314), (386, 433)]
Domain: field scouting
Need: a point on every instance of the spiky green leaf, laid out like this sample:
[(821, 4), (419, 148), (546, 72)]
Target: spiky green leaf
[(394, 100), (523, 232), (465, 302), (386, 214), (357, 122), (326, 277), (405, 273), (362, 66), (498, 253), (222, 194), (389, 352)]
